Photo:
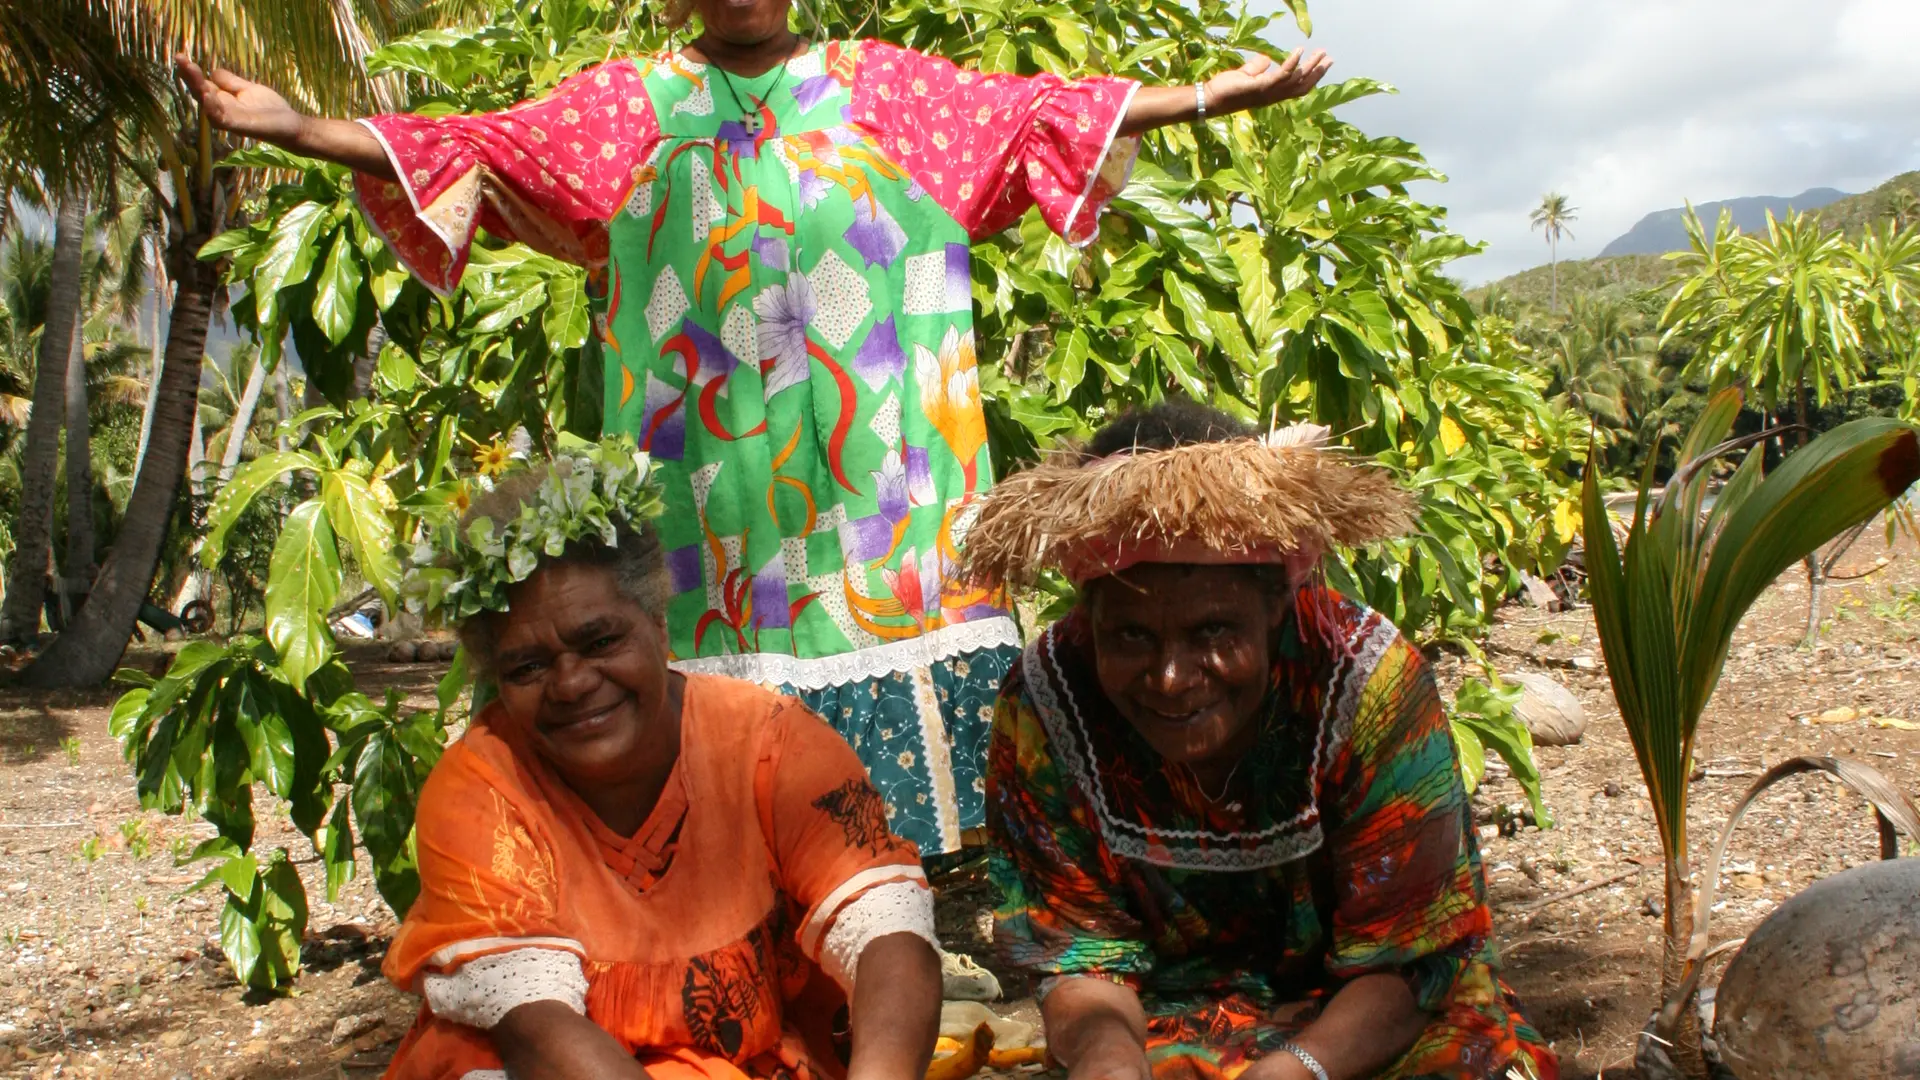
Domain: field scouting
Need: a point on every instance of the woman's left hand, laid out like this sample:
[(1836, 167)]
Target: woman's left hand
[(1261, 82)]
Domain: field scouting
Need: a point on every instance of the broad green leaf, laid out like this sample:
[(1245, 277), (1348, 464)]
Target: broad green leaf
[(240, 936), (289, 259), (567, 320), (357, 516), (127, 713), (337, 297), (248, 481), (304, 580), (1068, 365), (397, 369)]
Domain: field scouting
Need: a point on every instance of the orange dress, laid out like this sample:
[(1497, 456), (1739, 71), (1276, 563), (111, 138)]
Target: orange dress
[(700, 939)]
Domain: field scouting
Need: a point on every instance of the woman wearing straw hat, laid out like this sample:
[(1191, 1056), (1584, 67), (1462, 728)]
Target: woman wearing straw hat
[(1226, 813)]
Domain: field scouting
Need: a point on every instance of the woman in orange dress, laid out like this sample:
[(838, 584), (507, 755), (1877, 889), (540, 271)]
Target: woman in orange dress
[(627, 872)]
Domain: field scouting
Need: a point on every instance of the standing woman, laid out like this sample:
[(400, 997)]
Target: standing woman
[(778, 235)]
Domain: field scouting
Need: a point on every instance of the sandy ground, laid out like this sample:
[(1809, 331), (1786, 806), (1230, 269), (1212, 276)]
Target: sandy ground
[(109, 968)]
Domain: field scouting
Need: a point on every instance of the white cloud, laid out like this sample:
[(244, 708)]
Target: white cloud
[(1630, 106)]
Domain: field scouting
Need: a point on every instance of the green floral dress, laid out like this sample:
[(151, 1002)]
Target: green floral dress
[(782, 272)]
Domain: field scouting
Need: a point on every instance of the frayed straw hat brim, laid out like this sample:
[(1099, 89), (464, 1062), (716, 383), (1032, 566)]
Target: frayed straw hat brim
[(1240, 495)]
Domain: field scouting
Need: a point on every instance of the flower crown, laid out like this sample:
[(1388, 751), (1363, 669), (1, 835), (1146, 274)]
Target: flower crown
[(588, 490)]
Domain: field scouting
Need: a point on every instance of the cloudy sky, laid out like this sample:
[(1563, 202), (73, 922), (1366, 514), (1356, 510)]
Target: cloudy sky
[(1629, 106)]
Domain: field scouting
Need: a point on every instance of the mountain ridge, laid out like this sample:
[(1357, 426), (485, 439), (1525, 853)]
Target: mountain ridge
[(1666, 230)]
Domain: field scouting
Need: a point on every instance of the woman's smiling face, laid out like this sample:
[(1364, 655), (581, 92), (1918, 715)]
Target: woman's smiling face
[(583, 676), (1184, 654)]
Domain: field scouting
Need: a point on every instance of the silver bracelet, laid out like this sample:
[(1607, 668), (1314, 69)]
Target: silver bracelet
[(1312, 1063), (1200, 101)]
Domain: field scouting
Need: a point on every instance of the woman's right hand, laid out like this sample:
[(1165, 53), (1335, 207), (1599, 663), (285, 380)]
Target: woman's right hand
[(233, 104)]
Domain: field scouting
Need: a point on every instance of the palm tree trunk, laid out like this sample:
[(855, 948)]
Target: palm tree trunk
[(155, 295), (79, 571), (1553, 261), (92, 646), (242, 421), (33, 528), (1685, 1049)]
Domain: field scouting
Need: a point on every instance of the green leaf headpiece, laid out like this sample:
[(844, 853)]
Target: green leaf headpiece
[(588, 490)]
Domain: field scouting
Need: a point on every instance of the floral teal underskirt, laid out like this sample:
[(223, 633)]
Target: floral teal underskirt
[(922, 735)]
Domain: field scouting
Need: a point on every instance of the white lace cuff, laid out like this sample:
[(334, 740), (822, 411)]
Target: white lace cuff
[(899, 907), (487, 988)]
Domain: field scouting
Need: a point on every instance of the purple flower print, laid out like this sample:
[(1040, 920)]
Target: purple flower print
[(813, 188), (770, 610), (863, 540), (874, 234), (683, 568), (890, 487), (785, 311), (811, 92), (663, 421), (880, 359), (772, 250), (920, 490)]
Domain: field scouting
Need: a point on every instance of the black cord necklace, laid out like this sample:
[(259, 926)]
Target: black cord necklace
[(751, 120)]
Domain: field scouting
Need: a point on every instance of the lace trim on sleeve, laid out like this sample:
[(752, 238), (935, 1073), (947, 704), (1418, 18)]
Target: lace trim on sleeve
[(900, 907), (487, 988)]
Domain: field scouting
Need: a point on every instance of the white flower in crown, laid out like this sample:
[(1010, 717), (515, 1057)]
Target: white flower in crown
[(1298, 436)]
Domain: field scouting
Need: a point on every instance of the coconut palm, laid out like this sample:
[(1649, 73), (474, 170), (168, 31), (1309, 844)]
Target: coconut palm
[(1667, 602), (1552, 217), (115, 52), (1600, 361)]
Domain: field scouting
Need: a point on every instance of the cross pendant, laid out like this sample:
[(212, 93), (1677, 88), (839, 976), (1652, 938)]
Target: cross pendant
[(752, 123)]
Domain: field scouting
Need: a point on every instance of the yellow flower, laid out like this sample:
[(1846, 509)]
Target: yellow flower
[(462, 500), (492, 459), (949, 386)]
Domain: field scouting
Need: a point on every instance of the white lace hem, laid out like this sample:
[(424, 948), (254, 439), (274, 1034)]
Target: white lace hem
[(818, 673), (900, 907), (488, 987)]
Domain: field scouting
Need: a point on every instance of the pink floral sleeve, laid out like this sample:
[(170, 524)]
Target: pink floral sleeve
[(549, 173), (987, 147)]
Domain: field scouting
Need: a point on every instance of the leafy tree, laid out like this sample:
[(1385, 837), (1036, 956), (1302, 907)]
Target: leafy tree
[(110, 56), (1552, 217), (1793, 314)]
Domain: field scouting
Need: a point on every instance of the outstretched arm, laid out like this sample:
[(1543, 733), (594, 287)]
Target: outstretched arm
[(1260, 82), (233, 104)]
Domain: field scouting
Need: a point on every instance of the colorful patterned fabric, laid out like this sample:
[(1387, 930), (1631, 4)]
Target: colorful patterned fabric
[(788, 304), (700, 934), (1356, 855)]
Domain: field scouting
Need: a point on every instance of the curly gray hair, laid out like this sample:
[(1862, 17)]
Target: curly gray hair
[(636, 558)]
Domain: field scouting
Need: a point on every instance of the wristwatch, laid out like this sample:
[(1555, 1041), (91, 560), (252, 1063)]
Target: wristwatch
[(1312, 1063)]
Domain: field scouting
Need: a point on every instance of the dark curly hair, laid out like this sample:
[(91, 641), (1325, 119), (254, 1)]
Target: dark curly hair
[(1171, 423)]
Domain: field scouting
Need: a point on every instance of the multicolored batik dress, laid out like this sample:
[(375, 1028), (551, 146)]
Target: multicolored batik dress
[(1356, 854), (781, 266)]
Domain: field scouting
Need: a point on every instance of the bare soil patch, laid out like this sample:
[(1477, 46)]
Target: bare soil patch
[(109, 968)]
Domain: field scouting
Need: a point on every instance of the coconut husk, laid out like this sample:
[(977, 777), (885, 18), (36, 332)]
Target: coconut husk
[(1239, 495)]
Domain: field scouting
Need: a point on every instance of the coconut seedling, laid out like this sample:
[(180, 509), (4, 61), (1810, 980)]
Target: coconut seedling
[(1667, 601)]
